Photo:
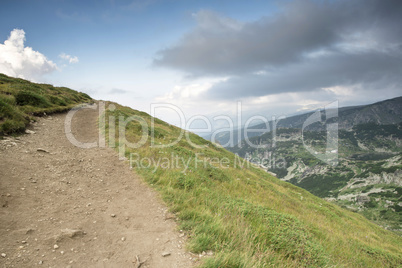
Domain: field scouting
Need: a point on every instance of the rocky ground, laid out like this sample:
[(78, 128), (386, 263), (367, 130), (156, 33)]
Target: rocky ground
[(63, 206)]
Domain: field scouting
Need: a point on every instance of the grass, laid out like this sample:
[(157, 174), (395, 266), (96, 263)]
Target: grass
[(21, 100), (247, 217), (377, 158)]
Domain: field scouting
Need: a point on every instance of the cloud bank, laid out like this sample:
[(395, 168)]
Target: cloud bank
[(23, 62), (306, 46), (69, 58)]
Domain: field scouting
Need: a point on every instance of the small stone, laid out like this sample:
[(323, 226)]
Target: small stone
[(123, 239), (23, 242), (40, 262), (27, 131), (165, 254), (113, 215), (8, 195), (3, 255), (42, 150), (55, 246), (181, 235), (61, 252)]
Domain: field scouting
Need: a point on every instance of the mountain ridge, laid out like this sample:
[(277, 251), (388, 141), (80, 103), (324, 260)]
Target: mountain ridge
[(383, 112)]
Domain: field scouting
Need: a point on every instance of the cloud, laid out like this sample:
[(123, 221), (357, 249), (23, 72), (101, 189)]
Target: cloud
[(306, 46), (117, 91), (20, 61), (69, 58), (372, 70)]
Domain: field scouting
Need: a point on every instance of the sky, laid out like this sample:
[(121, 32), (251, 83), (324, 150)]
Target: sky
[(209, 58)]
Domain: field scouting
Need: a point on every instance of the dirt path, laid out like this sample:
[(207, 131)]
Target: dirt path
[(72, 207)]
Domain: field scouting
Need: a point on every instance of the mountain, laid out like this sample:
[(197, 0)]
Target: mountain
[(366, 177), (240, 214), (383, 112)]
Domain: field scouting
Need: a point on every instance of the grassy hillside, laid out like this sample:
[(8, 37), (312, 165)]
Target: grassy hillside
[(21, 99), (247, 217), (367, 178)]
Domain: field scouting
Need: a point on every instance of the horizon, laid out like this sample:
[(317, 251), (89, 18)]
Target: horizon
[(281, 57)]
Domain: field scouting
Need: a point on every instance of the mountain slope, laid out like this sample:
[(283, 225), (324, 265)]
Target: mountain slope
[(246, 216), (20, 100), (65, 195), (383, 112), (243, 215), (367, 178)]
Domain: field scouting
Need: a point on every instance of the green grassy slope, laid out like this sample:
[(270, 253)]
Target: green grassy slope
[(370, 164), (246, 216), (21, 99)]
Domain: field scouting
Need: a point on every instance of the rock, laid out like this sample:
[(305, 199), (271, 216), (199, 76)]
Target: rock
[(27, 131), (362, 199), (42, 150), (29, 231), (55, 246), (123, 239), (40, 262), (113, 215), (165, 254), (71, 233), (181, 235), (3, 255), (169, 216)]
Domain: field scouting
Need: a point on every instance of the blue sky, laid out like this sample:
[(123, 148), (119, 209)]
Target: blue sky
[(275, 57)]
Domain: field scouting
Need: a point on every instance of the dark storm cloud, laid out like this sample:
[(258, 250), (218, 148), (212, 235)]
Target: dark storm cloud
[(307, 45), (376, 70)]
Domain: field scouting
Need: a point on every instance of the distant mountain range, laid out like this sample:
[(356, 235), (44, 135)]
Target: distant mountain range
[(383, 112)]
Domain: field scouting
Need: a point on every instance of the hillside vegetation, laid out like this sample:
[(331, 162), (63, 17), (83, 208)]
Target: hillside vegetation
[(20, 100), (367, 178), (247, 217)]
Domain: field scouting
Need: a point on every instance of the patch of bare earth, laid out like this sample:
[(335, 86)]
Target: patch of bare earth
[(63, 206)]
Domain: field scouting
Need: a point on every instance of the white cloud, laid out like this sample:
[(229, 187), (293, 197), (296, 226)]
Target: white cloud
[(69, 58), (20, 61)]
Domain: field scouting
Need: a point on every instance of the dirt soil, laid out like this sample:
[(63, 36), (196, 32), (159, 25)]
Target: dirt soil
[(63, 206)]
